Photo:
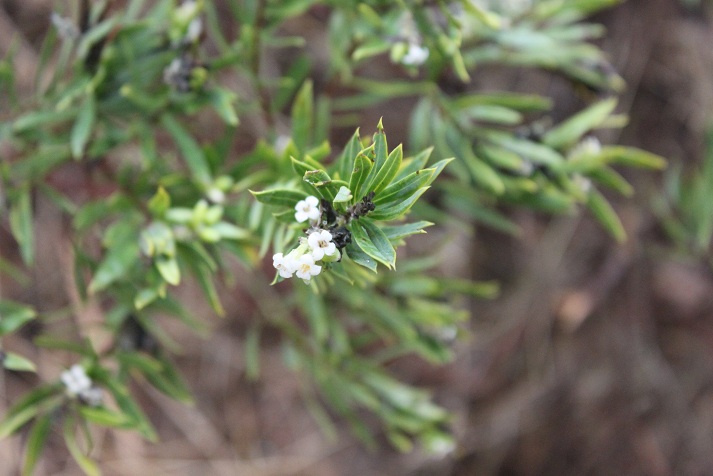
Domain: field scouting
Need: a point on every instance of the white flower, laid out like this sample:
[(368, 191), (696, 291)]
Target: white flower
[(194, 31), (307, 209), (215, 195), (76, 380), (320, 243), (66, 29), (416, 55), (584, 184), (306, 268), (285, 265)]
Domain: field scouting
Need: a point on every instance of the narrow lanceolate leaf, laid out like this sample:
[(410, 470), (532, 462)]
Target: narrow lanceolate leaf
[(396, 210), (223, 101), (373, 241), (35, 444), (303, 117), (16, 362), (169, 270), (388, 170), (43, 398), (633, 157), (402, 231), (83, 125), (70, 438), (357, 255), (360, 172), (13, 316), (191, 151), (280, 197), (381, 154), (21, 225), (606, 215), (105, 417), (571, 130), (405, 188), (349, 154), (127, 405), (116, 264)]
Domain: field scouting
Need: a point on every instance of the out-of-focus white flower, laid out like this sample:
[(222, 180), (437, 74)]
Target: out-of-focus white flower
[(307, 209), (215, 195), (80, 385), (66, 29), (320, 244), (194, 30), (416, 55), (306, 268), (584, 183), (285, 265), (76, 380), (590, 145)]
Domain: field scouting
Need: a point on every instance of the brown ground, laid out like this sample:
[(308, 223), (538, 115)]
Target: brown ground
[(596, 358)]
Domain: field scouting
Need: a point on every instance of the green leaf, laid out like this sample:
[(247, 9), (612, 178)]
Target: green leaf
[(483, 174), (403, 189), (317, 315), (348, 156), (633, 157), (168, 267), (362, 168), (279, 197), (322, 182), (13, 316), (412, 164), (202, 271), (571, 130), (373, 241), (21, 224), (82, 129), (396, 210), (537, 153), (402, 231), (127, 404), (606, 215), (119, 259), (252, 352), (16, 362), (612, 179), (381, 154), (35, 444), (303, 117), (105, 417), (89, 466), (223, 101), (43, 398), (160, 373), (356, 254), (160, 202), (373, 47), (192, 152), (388, 170)]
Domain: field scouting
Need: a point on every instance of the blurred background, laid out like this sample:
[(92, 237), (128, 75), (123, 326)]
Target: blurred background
[(596, 358)]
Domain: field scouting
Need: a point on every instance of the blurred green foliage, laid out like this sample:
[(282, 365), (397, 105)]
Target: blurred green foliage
[(124, 93)]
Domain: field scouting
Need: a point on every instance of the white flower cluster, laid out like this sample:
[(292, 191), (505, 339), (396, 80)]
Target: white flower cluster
[(80, 385), (415, 53), (302, 261)]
